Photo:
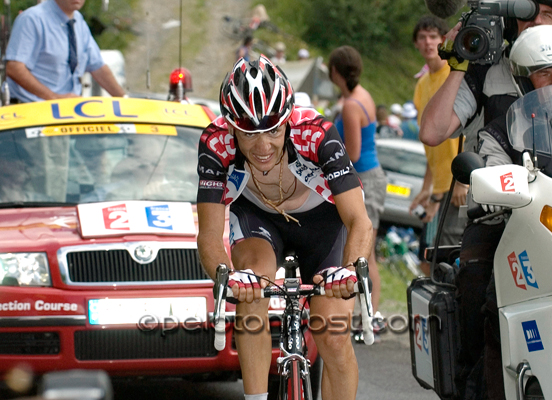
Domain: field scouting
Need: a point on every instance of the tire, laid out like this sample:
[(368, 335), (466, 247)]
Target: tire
[(273, 387), (316, 377), (295, 387)]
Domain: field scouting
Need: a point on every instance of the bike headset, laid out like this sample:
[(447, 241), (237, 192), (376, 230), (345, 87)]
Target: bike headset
[(256, 96), (531, 52)]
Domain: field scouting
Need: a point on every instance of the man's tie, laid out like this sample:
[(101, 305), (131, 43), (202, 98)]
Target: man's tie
[(72, 45)]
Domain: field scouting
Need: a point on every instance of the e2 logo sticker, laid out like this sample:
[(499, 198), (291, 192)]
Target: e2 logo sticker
[(522, 270), (507, 182), (116, 217)]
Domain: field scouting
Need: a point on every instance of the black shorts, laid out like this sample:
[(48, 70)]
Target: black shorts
[(318, 242)]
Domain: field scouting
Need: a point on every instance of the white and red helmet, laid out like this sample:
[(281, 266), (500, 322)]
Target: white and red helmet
[(256, 96)]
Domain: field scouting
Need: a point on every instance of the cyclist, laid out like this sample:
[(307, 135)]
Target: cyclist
[(289, 182)]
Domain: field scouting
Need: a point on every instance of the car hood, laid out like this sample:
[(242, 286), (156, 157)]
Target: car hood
[(58, 224)]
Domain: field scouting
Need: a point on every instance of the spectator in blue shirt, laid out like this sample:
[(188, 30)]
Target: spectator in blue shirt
[(47, 54), (409, 123)]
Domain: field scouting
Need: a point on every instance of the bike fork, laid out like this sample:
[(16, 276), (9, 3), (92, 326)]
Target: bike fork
[(294, 368)]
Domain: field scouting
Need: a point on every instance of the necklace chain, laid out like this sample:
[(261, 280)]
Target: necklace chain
[(272, 203)]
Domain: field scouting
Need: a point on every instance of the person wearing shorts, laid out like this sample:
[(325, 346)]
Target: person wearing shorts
[(357, 127), (290, 185)]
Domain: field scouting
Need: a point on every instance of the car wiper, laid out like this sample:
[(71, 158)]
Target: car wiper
[(30, 204)]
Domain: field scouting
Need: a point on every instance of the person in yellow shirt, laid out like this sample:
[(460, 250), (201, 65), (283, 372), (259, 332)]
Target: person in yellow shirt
[(428, 34)]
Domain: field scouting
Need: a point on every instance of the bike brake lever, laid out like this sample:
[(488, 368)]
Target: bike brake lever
[(492, 215), (361, 266), (219, 290)]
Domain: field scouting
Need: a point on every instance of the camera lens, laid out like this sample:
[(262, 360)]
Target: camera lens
[(472, 43)]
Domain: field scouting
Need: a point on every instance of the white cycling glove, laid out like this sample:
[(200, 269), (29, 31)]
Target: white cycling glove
[(244, 279), (489, 208), (337, 276)]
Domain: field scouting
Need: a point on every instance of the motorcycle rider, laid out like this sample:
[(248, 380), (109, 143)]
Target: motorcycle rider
[(532, 69), (471, 97)]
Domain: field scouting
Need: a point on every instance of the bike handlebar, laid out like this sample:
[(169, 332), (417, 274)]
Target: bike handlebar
[(222, 292)]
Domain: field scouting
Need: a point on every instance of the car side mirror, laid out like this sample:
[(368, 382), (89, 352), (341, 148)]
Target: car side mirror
[(463, 165)]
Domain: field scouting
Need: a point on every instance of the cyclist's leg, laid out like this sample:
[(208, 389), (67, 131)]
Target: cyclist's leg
[(255, 244), (254, 343), (340, 373)]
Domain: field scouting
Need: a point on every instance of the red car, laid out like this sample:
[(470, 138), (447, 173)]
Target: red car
[(99, 266)]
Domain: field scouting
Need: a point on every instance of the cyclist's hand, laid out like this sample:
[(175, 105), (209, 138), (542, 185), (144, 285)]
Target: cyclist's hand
[(340, 283), (245, 286)]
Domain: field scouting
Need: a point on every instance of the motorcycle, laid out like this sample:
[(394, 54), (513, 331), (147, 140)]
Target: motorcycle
[(521, 265)]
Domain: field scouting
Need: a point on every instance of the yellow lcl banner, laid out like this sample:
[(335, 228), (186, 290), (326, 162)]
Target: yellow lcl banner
[(101, 110)]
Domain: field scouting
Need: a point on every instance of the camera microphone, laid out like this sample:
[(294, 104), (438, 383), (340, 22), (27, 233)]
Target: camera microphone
[(444, 8), (526, 10)]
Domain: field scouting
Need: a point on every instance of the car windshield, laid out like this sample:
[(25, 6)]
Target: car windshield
[(69, 165), (529, 122), (402, 161)]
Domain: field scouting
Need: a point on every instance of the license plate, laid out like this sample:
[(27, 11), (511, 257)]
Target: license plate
[(131, 311), (398, 190)]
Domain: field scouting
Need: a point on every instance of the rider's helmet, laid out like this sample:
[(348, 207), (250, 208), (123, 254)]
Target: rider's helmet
[(531, 52), (183, 76), (256, 96)]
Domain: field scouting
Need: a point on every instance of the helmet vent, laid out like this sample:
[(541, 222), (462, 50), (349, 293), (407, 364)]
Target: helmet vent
[(258, 103), (271, 72)]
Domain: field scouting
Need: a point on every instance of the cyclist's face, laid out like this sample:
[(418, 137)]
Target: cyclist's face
[(262, 150), (541, 78), (543, 18)]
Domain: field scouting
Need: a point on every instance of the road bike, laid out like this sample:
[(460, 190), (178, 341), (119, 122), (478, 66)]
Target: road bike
[(294, 368)]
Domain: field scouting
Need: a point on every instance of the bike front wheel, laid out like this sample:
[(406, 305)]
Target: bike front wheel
[(295, 386)]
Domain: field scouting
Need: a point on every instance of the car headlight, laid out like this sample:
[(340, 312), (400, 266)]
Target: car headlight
[(24, 269)]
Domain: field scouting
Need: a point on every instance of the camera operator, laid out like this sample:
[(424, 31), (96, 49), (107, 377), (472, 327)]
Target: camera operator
[(474, 94)]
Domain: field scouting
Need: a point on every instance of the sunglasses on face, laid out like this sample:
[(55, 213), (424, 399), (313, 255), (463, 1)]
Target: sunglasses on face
[(268, 123)]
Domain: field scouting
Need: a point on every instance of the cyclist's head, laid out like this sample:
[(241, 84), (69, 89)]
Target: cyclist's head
[(256, 96), (531, 59)]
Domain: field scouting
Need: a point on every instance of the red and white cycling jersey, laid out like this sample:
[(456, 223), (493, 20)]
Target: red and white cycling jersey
[(316, 156)]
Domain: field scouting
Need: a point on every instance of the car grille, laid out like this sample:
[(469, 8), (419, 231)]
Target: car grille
[(29, 343), (116, 265), (130, 344)]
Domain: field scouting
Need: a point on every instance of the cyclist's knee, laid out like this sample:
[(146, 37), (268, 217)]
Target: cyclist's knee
[(334, 345)]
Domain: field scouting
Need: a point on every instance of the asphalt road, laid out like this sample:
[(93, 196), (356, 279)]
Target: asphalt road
[(384, 369)]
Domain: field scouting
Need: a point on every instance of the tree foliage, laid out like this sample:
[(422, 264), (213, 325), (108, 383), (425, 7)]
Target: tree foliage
[(368, 25)]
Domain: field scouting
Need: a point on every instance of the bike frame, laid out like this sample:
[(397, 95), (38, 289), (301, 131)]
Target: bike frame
[(293, 366)]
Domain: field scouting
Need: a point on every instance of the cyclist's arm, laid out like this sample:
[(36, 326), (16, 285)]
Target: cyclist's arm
[(350, 205), (439, 120), (210, 244), (351, 208)]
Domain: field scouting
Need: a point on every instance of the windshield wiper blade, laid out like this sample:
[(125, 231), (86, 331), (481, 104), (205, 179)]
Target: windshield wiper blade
[(31, 204)]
